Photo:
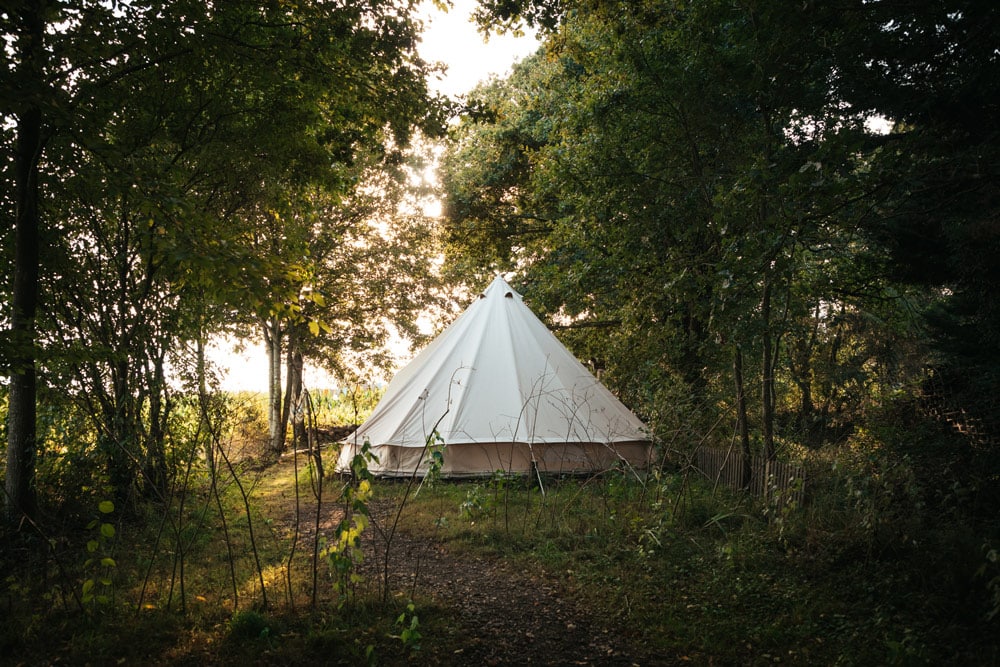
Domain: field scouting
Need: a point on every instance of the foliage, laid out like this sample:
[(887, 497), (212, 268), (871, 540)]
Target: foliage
[(349, 405), (221, 536), (989, 571), (410, 635), (353, 265), (345, 553), (98, 587), (865, 572), (708, 578), (193, 169), (250, 626), (672, 194), (689, 192), (485, 500)]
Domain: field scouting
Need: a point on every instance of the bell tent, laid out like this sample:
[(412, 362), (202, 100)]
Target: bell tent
[(497, 391)]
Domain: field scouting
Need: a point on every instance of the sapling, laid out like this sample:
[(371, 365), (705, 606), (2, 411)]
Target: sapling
[(99, 586)]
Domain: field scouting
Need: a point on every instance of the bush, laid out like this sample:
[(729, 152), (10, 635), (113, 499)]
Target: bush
[(247, 626), (348, 406)]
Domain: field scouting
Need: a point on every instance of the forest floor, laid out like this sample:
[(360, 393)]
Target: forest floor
[(500, 614), (597, 571), (476, 608)]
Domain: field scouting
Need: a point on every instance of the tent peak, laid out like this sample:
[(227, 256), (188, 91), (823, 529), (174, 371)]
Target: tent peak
[(501, 286)]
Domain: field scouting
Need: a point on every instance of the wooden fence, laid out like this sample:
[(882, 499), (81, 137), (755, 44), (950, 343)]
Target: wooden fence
[(777, 481), (966, 401)]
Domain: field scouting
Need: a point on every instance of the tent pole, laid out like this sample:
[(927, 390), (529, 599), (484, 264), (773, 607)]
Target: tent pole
[(535, 470)]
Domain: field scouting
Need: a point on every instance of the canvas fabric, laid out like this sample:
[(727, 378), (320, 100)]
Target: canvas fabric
[(500, 392)]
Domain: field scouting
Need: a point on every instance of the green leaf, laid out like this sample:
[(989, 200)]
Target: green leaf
[(106, 507), (88, 585), (107, 530), (109, 562), (92, 545)]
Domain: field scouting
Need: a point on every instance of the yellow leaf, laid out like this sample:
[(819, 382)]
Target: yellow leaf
[(314, 328)]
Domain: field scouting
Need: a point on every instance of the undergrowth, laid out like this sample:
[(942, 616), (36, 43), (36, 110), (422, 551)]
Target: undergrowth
[(859, 576), (892, 559)]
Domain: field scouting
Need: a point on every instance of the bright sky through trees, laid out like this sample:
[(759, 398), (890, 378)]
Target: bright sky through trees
[(450, 38)]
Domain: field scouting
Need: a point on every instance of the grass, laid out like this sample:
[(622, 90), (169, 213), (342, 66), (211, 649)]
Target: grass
[(713, 579), (865, 573), (173, 601)]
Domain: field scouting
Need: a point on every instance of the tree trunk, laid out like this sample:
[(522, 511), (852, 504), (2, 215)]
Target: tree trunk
[(767, 374), (291, 390), (741, 418), (119, 445), (275, 425), (21, 434), (294, 397), (203, 417), (801, 372), (159, 411), (828, 387)]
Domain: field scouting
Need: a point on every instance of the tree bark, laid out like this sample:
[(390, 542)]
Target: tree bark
[(156, 473), (295, 388), (767, 374), (275, 425), (21, 434), (741, 418)]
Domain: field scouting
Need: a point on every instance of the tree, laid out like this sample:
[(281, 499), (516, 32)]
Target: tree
[(166, 126), (931, 71), (371, 259), (678, 173), (30, 70), (367, 266)]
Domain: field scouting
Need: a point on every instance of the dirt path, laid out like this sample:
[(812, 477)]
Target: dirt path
[(497, 614), (503, 616)]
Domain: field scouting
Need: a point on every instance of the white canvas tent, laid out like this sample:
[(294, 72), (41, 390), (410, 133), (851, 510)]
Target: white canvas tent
[(502, 393)]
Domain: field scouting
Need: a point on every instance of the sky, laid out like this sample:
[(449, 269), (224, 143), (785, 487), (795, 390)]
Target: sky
[(450, 38)]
